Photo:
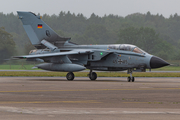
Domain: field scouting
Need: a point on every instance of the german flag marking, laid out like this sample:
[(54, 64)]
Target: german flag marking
[(39, 26)]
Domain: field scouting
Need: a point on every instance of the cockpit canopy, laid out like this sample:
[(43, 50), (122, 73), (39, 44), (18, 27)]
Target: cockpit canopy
[(127, 47)]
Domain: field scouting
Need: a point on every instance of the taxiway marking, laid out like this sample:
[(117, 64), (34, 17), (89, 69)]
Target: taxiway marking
[(30, 102), (135, 102)]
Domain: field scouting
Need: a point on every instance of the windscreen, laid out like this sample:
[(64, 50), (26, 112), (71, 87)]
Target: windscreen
[(138, 50)]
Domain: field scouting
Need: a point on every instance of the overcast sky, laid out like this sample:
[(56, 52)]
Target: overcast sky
[(87, 7)]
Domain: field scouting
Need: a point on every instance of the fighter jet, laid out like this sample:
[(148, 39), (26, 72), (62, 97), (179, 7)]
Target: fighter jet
[(59, 54)]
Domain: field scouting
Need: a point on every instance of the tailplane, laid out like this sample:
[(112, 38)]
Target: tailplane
[(37, 30)]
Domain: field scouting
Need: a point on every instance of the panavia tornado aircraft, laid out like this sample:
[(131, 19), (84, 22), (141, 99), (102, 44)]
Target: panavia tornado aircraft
[(59, 54)]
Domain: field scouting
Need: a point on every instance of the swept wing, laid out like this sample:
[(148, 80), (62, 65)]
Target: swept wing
[(73, 52)]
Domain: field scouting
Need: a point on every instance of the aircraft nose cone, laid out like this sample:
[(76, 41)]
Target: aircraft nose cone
[(157, 62)]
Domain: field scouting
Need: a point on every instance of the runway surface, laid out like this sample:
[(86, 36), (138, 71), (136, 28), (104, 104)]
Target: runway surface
[(108, 98)]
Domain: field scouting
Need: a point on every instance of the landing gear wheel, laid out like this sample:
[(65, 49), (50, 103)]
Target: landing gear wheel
[(129, 79), (70, 76), (93, 76), (133, 79)]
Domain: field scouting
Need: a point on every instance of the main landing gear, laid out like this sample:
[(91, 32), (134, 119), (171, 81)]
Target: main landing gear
[(131, 78), (92, 75), (70, 76)]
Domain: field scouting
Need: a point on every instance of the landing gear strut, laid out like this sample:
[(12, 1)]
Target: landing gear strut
[(70, 76), (131, 78), (92, 75)]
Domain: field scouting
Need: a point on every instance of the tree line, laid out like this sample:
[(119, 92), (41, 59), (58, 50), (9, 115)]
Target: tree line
[(153, 33)]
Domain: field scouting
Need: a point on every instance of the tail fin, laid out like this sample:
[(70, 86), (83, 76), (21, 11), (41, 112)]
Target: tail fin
[(37, 30)]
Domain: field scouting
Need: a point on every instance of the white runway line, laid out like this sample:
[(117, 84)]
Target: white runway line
[(43, 111)]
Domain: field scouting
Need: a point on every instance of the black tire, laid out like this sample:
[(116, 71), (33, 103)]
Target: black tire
[(70, 76), (93, 76), (133, 79), (129, 79)]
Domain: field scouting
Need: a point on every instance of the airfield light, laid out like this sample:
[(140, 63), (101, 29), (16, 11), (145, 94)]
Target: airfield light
[(101, 53)]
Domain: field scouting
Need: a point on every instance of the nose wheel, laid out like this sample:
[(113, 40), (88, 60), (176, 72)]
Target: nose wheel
[(131, 78), (70, 76)]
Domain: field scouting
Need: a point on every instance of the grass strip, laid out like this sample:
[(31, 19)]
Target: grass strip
[(84, 74)]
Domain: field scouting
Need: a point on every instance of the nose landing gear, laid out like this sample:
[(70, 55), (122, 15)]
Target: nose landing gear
[(131, 78)]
